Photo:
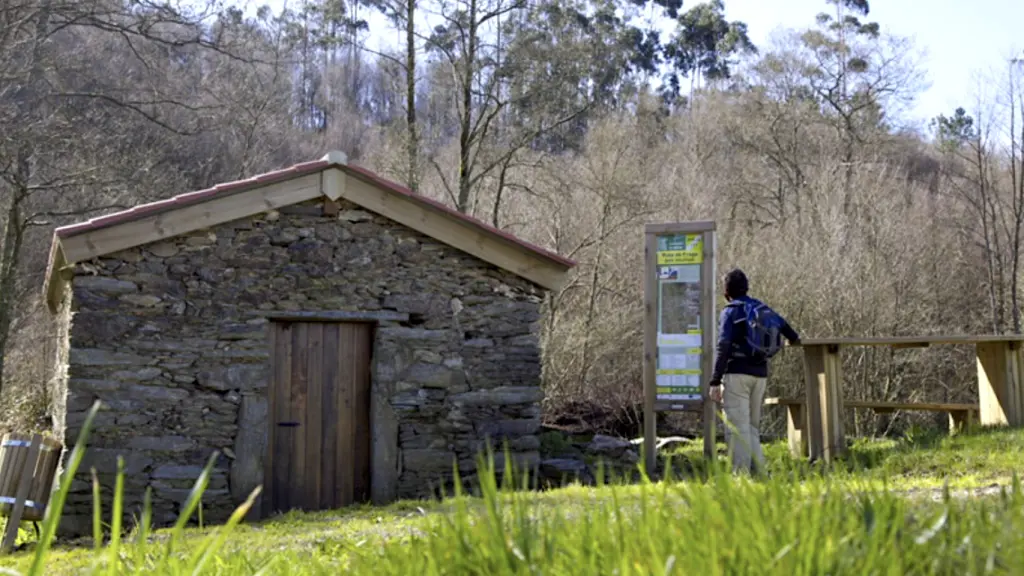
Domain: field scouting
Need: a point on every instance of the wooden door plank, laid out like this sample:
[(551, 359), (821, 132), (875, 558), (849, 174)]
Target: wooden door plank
[(297, 412), (361, 352), (267, 498), (282, 413), (343, 449), (329, 418), (312, 420)]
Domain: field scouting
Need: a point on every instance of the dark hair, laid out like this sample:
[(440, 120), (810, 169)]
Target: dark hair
[(735, 282)]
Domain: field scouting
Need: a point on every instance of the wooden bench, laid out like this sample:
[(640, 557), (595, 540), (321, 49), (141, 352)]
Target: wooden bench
[(1000, 381), (960, 415)]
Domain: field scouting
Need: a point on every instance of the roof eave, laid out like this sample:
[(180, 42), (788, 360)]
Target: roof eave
[(57, 274)]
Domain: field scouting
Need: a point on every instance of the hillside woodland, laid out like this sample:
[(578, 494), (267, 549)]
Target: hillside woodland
[(570, 123)]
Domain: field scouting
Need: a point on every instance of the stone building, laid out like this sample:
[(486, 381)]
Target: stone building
[(336, 337)]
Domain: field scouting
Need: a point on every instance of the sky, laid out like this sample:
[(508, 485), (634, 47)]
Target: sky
[(958, 38)]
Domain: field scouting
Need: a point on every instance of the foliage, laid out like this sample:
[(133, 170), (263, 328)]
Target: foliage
[(551, 121), (704, 45)]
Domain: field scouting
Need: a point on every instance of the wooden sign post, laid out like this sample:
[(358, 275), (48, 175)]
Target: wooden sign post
[(679, 326)]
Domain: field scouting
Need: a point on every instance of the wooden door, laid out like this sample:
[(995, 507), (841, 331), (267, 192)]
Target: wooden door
[(318, 414)]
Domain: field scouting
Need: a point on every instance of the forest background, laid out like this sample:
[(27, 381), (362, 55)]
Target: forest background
[(569, 123)]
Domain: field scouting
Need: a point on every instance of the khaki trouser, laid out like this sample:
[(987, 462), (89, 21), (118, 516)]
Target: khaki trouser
[(742, 397)]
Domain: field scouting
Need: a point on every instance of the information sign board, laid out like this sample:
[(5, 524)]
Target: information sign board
[(679, 323)]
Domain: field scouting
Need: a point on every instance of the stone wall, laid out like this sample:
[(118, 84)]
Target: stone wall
[(171, 337)]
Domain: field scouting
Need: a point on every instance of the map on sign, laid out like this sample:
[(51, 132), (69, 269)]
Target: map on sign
[(678, 375)]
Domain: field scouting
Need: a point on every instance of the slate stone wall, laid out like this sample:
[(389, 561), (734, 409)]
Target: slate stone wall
[(172, 338)]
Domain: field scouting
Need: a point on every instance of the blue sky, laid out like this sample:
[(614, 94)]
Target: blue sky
[(960, 39)]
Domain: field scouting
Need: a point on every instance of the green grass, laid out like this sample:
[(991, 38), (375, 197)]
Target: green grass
[(923, 459), (803, 520)]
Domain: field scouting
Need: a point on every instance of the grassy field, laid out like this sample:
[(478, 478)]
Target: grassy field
[(853, 519)]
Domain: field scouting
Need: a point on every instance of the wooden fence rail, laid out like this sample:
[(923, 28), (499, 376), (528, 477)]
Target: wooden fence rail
[(28, 465)]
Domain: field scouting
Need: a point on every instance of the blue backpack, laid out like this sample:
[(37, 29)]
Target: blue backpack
[(764, 329)]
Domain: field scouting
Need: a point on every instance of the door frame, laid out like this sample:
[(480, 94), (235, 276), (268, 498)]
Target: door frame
[(384, 453)]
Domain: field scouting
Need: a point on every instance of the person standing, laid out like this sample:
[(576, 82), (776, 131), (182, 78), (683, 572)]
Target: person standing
[(749, 334)]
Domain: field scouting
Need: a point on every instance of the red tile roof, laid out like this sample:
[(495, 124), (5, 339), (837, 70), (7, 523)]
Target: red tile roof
[(189, 198), (294, 171)]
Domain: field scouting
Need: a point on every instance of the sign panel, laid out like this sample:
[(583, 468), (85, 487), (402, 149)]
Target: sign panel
[(680, 343), (678, 249), (679, 325)]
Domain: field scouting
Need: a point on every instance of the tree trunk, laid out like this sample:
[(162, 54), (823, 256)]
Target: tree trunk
[(592, 301), (14, 226), (11, 257), (413, 149), (466, 123)]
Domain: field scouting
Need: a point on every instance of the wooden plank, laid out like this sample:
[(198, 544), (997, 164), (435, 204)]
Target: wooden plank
[(6, 470), (1000, 388), (55, 282), (814, 366), (773, 401), (42, 481), (922, 406), (10, 469), (24, 486), (708, 327), (454, 232), (331, 208), (343, 448), (823, 374), (337, 316), (282, 450), (297, 413), (962, 419), (361, 412), (333, 183), (50, 453), (329, 418), (905, 341), (831, 395), (796, 426), (650, 351), (266, 496), (178, 221), (680, 227), (671, 406), (313, 445)]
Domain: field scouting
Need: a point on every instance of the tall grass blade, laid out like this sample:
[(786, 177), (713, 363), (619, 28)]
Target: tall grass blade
[(215, 541), (147, 516), (114, 548), (97, 512), (177, 531)]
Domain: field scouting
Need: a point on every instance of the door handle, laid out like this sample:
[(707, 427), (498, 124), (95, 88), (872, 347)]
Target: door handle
[(288, 424)]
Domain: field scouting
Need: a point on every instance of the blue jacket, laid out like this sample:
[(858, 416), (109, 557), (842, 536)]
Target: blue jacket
[(731, 330)]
